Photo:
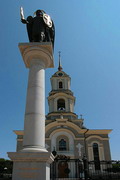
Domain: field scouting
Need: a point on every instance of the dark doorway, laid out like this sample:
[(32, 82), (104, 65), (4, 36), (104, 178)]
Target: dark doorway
[(62, 169)]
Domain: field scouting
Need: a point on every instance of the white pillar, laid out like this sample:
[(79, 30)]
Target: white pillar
[(33, 162), (34, 125), (37, 57)]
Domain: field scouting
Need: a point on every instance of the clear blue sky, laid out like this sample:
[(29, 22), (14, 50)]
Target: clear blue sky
[(88, 35)]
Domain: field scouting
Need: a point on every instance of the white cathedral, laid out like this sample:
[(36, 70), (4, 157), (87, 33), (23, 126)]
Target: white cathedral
[(65, 133)]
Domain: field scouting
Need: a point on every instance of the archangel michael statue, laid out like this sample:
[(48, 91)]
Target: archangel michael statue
[(40, 27)]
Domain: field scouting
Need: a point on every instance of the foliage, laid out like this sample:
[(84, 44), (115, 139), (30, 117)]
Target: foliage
[(5, 167), (115, 167)]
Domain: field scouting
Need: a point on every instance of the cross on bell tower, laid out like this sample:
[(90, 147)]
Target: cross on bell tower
[(60, 66)]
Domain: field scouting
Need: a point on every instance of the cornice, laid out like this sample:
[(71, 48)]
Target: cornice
[(63, 123), (61, 93), (61, 112), (19, 132), (98, 131)]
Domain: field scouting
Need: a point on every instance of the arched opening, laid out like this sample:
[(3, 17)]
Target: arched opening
[(60, 84), (62, 145), (57, 135), (61, 104), (96, 156)]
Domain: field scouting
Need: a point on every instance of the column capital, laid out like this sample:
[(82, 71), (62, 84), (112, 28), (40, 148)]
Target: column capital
[(37, 51)]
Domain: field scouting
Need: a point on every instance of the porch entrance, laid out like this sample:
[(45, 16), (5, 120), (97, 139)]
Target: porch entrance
[(65, 168)]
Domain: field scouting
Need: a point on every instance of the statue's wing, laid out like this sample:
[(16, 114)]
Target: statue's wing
[(53, 30), (52, 33), (50, 28), (29, 27), (47, 20)]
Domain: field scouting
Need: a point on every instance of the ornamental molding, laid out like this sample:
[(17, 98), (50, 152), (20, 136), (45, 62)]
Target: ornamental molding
[(62, 123)]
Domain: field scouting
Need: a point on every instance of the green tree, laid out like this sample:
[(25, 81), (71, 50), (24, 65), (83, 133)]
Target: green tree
[(5, 167)]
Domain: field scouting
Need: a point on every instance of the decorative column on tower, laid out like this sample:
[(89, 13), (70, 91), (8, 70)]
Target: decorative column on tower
[(33, 161)]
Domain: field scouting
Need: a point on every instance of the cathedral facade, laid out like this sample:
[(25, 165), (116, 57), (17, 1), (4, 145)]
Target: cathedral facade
[(65, 132)]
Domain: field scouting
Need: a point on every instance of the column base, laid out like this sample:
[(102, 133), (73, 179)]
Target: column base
[(33, 149), (31, 165)]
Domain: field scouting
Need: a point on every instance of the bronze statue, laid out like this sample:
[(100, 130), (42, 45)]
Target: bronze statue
[(39, 28)]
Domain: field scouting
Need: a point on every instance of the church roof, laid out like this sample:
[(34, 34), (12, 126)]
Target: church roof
[(89, 132), (60, 74)]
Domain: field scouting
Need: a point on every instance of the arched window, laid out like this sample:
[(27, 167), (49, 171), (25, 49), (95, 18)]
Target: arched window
[(62, 145), (60, 85), (61, 104), (62, 142), (96, 156)]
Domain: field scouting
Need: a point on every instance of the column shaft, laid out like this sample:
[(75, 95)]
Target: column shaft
[(34, 124)]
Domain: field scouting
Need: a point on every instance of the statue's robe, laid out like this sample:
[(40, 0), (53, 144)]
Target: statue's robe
[(38, 27)]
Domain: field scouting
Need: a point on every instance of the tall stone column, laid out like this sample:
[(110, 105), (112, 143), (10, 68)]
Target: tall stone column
[(34, 125), (33, 162)]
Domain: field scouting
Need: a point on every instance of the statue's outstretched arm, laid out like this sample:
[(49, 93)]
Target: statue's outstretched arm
[(23, 20)]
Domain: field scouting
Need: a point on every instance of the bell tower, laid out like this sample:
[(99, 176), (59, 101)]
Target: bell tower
[(61, 100)]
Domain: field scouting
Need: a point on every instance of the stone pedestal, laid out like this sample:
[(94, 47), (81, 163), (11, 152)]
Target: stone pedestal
[(31, 165), (34, 160)]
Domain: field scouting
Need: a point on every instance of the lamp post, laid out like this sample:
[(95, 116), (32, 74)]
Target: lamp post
[(85, 161), (5, 171), (85, 150)]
